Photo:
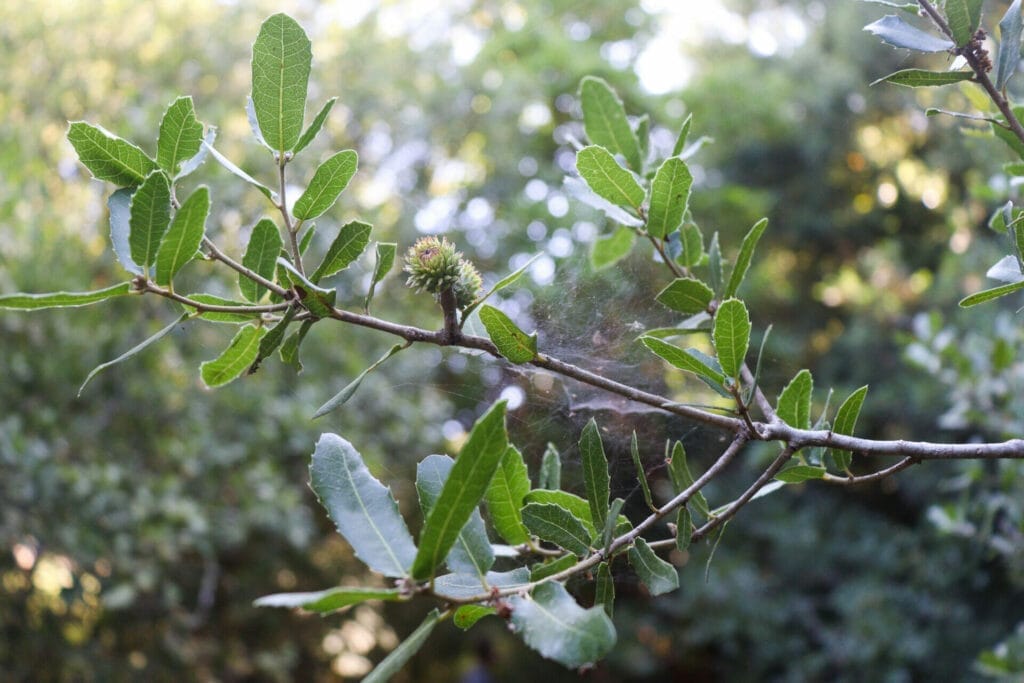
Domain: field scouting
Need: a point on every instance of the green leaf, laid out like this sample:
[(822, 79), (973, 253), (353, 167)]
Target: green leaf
[(218, 316), (291, 346), (543, 570), (119, 206), (342, 397), (579, 508), (466, 616), (512, 343), (307, 238), (693, 245), (504, 497), (990, 294), (362, 508), (731, 336), (238, 356), (501, 284), (254, 124), (132, 351), (595, 473), (109, 157), (273, 338), (611, 525), (230, 165), (744, 258), (281, 59), (1008, 57), (551, 622), (963, 16), (181, 243), (465, 488), (898, 33), (181, 135), (188, 166), (641, 474), (317, 300), (35, 302), (605, 122), (642, 131), (352, 239), (394, 662), (329, 181), (150, 211), (715, 264), (684, 132), (682, 479), (1001, 131), (920, 78), (684, 529), (315, 126), (463, 586), (686, 295), (330, 600), (604, 591), (684, 360), (385, 260), (670, 195), (557, 525), (472, 552), (607, 179), (610, 250), (550, 469), (659, 576), (260, 257), (757, 366), (846, 422), (799, 473), (794, 404)]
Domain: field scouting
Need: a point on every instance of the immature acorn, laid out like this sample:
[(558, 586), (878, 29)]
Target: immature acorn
[(434, 265)]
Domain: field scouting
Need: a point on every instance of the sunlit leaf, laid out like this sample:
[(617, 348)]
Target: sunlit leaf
[(330, 600), (670, 194), (605, 122), (181, 135), (731, 336), (230, 166), (963, 17), (150, 216), (504, 497), (235, 359), (385, 260), (794, 404), (260, 257), (467, 615), (918, 78), (796, 474), (686, 295), (512, 342), (607, 179), (351, 241), (684, 132), (281, 60), (181, 243), (109, 157), (684, 360), (846, 422), (119, 206), (315, 126), (35, 302), (579, 507), (329, 181), (990, 294), (550, 622)]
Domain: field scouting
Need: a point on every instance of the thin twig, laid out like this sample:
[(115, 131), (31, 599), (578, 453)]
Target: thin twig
[(149, 286), (290, 227), (874, 476), (219, 255)]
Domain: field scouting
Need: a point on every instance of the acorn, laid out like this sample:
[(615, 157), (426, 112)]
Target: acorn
[(434, 265)]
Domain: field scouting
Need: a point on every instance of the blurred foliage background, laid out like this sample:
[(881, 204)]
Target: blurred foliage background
[(138, 522)]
